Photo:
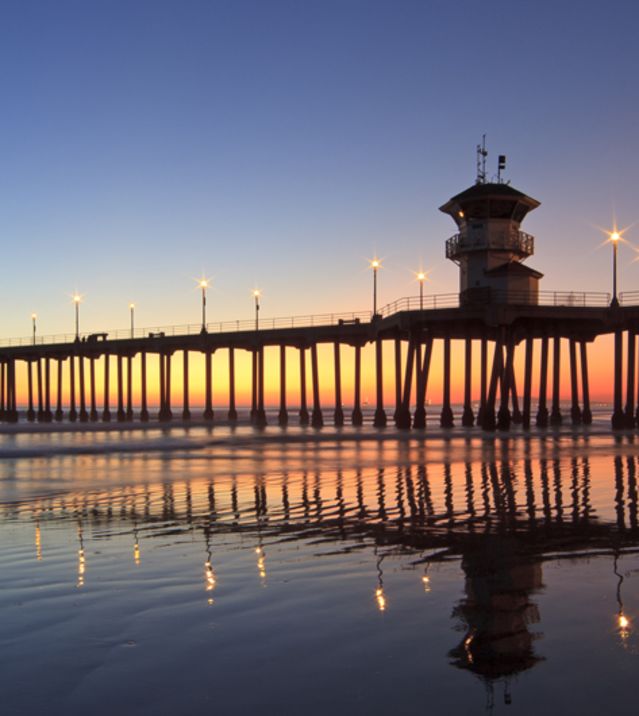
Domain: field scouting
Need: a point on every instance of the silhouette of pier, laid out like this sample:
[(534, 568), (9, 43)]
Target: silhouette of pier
[(495, 331)]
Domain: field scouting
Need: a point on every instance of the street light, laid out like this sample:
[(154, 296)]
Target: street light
[(421, 277), (256, 295), (77, 300), (614, 237), (132, 310), (375, 264), (203, 283), (34, 317)]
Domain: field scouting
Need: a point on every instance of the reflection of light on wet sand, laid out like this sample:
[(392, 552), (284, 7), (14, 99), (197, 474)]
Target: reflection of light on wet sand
[(38, 542), (380, 599), (209, 579)]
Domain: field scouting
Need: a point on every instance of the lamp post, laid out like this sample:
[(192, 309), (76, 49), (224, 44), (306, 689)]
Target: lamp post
[(256, 295), (77, 300), (204, 284), (614, 237), (132, 312), (34, 318), (376, 264), (421, 277)]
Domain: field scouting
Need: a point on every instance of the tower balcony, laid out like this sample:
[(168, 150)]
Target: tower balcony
[(518, 242)]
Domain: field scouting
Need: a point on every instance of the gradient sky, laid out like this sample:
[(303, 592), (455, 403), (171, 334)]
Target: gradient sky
[(280, 144)]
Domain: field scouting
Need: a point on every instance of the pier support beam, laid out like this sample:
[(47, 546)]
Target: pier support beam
[(317, 420), (575, 410), (144, 407), (503, 415), (282, 416), (423, 371), (488, 422), (542, 406), (120, 414), (630, 381), (30, 410), (618, 419), (379, 420), (517, 417), (3, 393), (446, 418), (586, 415), (93, 411), (129, 388), (357, 417), (403, 418), (106, 412), (468, 419), (232, 414), (528, 363), (48, 415), (555, 413), (58, 410), (84, 415), (304, 418), (208, 385), (398, 379), (40, 413), (186, 410), (483, 379), (339, 410), (260, 415), (12, 412)]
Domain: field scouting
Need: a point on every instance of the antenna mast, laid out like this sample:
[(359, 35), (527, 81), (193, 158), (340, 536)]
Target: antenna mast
[(481, 161)]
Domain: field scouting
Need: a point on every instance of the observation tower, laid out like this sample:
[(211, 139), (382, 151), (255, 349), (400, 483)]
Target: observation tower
[(490, 247)]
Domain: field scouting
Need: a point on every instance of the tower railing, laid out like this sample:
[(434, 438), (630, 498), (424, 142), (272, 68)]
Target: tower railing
[(518, 241)]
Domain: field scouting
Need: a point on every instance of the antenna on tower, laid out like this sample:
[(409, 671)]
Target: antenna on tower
[(481, 161), (501, 165)]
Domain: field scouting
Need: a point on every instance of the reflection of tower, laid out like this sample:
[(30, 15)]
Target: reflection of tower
[(497, 611)]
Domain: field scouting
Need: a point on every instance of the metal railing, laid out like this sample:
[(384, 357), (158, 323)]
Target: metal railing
[(629, 298), (186, 329), (518, 241), (580, 299), (415, 303)]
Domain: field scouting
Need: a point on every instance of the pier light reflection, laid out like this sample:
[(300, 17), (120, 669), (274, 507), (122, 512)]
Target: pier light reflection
[(38, 541), (81, 559), (261, 564)]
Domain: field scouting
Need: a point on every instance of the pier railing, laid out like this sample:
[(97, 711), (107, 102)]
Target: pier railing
[(428, 302), (187, 329)]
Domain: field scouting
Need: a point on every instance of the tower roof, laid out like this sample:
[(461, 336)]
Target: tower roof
[(489, 200)]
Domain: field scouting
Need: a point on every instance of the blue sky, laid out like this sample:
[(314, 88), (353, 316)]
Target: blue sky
[(280, 144)]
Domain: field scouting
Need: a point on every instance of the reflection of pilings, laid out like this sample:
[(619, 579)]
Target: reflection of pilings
[(282, 417), (528, 363), (446, 419), (144, 408), (186, 410), (339, 411), (380, 414), (303, 405), (84, 415), (542, 407), (630, 381), (618, 420), (586, 414), (232, 414), (357, 418), (58, 410), (555, 413), (120, 415), (468, 419)]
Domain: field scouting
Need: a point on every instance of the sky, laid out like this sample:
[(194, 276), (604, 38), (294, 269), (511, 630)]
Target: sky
[(281, 144)]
